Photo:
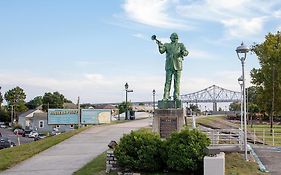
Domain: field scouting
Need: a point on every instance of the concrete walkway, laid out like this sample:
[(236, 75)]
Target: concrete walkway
[(270, 156), (71, 154)]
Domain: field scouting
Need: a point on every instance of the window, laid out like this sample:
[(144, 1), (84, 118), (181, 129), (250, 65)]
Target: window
[(41, 124), (71, 126)]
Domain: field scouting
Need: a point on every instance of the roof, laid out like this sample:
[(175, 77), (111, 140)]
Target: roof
[(24, 114), (40, 116)]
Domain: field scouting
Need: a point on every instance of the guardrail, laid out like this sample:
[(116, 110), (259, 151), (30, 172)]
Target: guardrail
[(225, 136), (266, 137)]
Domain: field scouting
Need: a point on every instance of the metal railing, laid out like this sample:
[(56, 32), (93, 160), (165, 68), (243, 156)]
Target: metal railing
[(266, 137), (225, 136)]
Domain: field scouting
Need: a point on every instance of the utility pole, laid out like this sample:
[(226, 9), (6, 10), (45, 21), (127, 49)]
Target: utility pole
[(12, 114), (79, 112)]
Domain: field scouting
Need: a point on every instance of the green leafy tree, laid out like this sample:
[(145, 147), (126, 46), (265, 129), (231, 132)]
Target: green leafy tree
[(15, 97), (122, 107), (235, 106), (267, 78), (4, 115), (34, 103), (194, 108), (54, 100), (253, 109)]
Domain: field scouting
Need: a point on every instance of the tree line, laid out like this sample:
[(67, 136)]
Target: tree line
[(16, 103)]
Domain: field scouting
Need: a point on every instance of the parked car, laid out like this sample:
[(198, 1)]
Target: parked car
[(32, 134), (39, 136), (3, 126), (6, 143), (26, 133), (18, 131), (55, 132)]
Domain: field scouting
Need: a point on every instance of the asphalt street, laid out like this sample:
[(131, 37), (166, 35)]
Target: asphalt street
[(73, 153)]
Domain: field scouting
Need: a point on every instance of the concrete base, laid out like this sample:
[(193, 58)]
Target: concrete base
[(166, 121), (214, 165), (168, 104)]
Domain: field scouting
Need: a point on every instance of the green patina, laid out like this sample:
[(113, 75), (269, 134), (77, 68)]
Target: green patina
[(175, 52)]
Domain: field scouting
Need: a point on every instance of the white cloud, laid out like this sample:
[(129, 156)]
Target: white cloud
[(243, 27), (152, 13)]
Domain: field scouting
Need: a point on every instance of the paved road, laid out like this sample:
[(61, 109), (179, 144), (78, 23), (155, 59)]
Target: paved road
[(68, 156), (270, 157)]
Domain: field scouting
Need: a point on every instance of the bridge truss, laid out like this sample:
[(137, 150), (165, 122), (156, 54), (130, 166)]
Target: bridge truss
[(212, 94)]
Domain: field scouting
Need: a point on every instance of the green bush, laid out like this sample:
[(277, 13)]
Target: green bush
[(140, 150), (185, 151)]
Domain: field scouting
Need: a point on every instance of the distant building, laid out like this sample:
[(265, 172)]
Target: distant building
[(37, 119), (25, 119)]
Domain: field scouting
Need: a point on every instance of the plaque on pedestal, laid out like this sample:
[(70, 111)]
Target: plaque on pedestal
[(167, 121)]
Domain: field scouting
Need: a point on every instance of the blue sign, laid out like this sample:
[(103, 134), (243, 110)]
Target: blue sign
[(63, 116), (95, 116)]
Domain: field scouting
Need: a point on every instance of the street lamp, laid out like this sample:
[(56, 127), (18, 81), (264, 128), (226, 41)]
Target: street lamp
[(242, 53), (153, 93), (240, 81), (127, 90)]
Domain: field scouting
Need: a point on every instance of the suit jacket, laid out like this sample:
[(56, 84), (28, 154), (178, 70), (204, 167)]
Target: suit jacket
[(174, 55)]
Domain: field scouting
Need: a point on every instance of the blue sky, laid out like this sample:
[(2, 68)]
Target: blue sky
[(92, 48)]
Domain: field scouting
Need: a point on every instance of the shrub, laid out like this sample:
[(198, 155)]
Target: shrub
[(140, 150), (185, 150)]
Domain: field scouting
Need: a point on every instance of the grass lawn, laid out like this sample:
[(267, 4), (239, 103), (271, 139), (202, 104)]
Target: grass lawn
[(234, 165), (11, 156)]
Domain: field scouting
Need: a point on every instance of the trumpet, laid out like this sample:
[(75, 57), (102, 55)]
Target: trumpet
[(153, 37)]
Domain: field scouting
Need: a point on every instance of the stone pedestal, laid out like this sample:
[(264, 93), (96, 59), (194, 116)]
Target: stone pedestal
[(214, 165), (166, 121)]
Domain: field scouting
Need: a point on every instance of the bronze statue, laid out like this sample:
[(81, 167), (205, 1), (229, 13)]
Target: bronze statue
[(175, 52)]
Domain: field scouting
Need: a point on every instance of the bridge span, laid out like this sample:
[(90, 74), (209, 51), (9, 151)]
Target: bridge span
[(213, 94)]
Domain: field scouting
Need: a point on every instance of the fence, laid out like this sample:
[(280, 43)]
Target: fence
[(266, 137), (225, 136)]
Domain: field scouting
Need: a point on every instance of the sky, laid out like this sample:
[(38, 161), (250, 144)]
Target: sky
[(91, 48)]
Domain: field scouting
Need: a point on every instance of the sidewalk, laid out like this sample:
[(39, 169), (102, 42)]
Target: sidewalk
[(270, 156), (71, 154)]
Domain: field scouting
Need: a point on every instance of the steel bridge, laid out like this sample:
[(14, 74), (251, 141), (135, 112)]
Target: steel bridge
[(212, 94)]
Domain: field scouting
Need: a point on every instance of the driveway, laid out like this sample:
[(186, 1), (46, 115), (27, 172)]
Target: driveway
[(73, 153)]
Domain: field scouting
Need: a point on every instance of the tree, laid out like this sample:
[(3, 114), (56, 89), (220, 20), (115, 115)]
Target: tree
[(253, 108), (15, 99), (235, 106), (54, 100), (4, 115), (123, 106), (34, 103), (194, 108), (267, 78)]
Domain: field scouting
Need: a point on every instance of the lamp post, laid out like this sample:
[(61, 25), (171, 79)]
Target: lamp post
[(126, 105), (242, 53), (240, 81), (153, 93)]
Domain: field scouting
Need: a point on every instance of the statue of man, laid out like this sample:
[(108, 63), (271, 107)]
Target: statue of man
[(175, 52)]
